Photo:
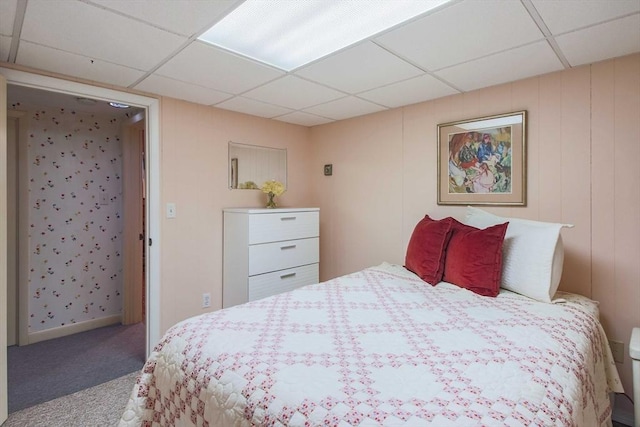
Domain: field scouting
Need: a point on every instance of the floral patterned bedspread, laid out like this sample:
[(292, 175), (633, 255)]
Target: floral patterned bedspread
[(380, 347)]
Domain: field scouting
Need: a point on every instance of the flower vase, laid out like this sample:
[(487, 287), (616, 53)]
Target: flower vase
[(271, 203)]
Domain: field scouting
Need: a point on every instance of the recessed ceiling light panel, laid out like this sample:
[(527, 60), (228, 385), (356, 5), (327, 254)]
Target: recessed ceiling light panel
[(288, 34)]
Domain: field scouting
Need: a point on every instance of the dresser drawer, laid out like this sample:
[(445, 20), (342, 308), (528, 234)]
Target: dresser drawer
[(268, 257), (279, 226), (268, 284), (267, 251)]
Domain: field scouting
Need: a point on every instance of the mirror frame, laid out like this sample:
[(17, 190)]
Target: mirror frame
[(234, 166)]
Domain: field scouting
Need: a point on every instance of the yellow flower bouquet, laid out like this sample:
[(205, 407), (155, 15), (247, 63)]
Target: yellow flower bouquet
[(272, 189)]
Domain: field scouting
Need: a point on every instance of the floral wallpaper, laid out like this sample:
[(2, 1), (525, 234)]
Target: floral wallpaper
[(75, 217)]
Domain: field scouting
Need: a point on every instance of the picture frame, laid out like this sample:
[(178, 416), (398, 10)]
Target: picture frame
[(482, 161)]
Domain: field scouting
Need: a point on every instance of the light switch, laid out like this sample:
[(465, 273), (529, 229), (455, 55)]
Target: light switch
[(171, 210)]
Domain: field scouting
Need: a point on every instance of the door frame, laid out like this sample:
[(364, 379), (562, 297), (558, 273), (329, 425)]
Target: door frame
[(152, 107), (4, 404)]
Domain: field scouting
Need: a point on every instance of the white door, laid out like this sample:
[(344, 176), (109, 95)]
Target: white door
[(12, 229), (4, 405), (133, 145)]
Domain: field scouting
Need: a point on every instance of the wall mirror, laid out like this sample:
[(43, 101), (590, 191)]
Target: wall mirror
[(251, 165)]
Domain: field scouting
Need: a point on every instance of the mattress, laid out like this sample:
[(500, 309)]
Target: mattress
[(380, 347)]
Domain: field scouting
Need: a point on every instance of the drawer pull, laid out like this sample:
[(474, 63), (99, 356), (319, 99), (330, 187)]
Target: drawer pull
[(286, 276), (287, 247), (287, 218)]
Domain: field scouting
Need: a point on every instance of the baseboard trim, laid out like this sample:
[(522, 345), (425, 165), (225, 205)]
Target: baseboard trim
[(74, 328)]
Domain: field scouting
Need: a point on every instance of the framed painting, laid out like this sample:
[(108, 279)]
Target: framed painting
[(483, 161)]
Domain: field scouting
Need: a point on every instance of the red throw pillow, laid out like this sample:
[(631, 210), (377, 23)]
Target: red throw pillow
[(474, 258), (426, 250)]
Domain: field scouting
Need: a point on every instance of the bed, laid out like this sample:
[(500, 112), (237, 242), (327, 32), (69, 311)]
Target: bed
[(382, 347)]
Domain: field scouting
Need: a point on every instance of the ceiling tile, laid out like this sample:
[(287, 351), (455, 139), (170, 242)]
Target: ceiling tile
[(566, 15), (253, 107), (208, 66), (463, 45), (412, 91), (466, 30), (94, 32), (531, 60), (176, 89), (176, 16), (44, 58), (294, 93), (360, 68), (7, 16), (303, 119), (345, 108), (604, 41), (5, 47)]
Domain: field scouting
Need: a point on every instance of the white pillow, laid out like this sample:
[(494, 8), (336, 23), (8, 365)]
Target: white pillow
[(532, 253)]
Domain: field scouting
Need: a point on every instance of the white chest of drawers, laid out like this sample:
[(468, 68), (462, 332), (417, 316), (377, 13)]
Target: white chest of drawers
[(268, 251)]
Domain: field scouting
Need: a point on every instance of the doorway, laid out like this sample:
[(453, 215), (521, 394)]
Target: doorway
[(76, 160), (152, 107), (70, 223)]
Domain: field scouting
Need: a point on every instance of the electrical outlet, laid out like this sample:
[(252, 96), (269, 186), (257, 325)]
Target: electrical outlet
[(206, 300), (617, 350)]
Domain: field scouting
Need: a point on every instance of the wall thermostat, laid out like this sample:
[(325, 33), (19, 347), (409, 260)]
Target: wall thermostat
[(328, 170)]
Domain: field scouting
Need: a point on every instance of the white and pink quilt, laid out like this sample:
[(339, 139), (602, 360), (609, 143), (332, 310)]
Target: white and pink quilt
[(380, 347)]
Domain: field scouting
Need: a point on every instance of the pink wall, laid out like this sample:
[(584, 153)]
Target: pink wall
[(583, 147), (194, 176)]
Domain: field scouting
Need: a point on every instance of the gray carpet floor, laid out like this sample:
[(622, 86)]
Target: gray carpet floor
[(99, 406), (50, 369)]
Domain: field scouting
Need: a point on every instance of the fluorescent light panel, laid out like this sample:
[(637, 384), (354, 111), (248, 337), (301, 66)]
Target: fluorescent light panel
[(288, 34)]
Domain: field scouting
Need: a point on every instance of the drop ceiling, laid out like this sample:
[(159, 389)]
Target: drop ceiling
[(152, 46)]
